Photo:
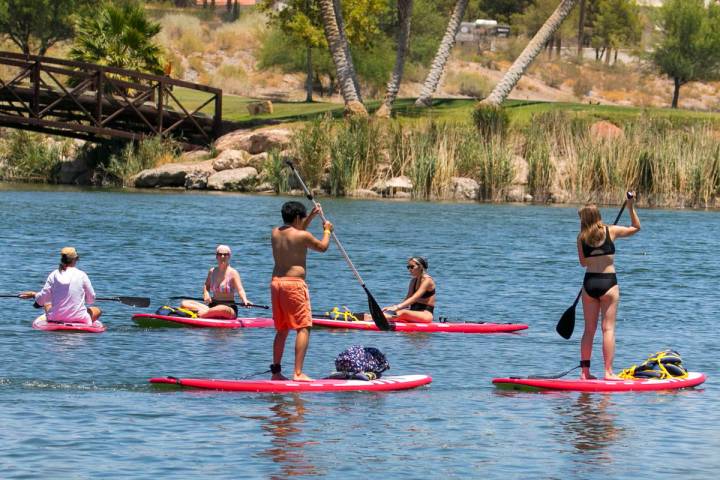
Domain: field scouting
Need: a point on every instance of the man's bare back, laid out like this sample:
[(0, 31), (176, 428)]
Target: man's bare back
[(290, 244)]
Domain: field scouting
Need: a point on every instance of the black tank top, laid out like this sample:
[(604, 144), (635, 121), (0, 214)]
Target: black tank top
[(607, 248)]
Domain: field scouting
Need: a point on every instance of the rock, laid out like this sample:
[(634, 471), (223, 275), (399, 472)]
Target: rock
[(258, 108), (74, 171), (528, 198), (265, 187), (393, 187), (403, 195), (195, 156), (241, 179), (230, 159), (363, 193), (255, 141), (559, 196), (257, 161), (197, 180), (604, 130), (521, 169), (464, 188), (515, 193), (170, 174)]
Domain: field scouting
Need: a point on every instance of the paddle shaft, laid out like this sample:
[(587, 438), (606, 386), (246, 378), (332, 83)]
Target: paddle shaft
[(332, 233), (134, 301)]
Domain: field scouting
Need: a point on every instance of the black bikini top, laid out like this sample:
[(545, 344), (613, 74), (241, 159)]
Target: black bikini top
[(607, 248), (427, 294)]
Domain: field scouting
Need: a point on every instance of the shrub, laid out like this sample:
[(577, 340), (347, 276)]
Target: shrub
[(29, 157), (470, 84)]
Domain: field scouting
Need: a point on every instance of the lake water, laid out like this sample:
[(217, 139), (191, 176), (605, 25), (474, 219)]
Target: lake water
[(79, 406)]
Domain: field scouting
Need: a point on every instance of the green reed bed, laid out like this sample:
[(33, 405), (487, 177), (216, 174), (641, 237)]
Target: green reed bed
[(669, 164)]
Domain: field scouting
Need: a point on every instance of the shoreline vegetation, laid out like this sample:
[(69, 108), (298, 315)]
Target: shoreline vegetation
[(551, 156)]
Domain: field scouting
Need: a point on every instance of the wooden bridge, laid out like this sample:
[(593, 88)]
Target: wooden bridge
[(92, 102)]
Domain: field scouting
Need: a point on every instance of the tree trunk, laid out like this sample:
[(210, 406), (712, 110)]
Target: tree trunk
[(608, 52), (438, 64), (346, 47), (309, 79), (616, 55), (676, 92), (404, 10), (581, 30), (353, 105), (533, 48)]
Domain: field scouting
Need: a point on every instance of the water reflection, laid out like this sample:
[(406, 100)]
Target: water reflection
[(592, 428), (285, 425)]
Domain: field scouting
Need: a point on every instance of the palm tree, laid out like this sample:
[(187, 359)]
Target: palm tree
[(532, 50), (346, 47), (404, 10), (353, 105), (119, 36), (438, 64)]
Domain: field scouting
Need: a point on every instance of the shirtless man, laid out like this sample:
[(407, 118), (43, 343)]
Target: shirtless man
[(289, 293)]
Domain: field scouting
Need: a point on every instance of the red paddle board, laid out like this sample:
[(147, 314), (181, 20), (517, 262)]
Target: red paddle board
[(150, 320), (401, 382), (424, 327), (41, 323), (693, 379)]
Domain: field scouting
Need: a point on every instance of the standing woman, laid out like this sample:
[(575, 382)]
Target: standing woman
[(221, 285), (601, 293), (419, 304), (66, 292)]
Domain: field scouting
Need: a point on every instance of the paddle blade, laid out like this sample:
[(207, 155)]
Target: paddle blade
[(376, 312), (135, 301), (566, 324)]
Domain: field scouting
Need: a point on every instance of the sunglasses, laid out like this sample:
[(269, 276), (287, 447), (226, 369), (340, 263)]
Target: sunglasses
[(222, 254), (411, 267)]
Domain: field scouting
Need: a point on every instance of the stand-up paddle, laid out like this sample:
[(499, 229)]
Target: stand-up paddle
[(566, 324), (132, 301), (375, 311), (198, 299)]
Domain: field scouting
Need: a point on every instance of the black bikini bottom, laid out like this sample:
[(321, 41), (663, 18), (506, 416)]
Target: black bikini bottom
[(597, 284), (232, 305), (421, 307)]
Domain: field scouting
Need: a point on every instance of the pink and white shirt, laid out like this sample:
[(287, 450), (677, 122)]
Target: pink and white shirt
[(68, 291)]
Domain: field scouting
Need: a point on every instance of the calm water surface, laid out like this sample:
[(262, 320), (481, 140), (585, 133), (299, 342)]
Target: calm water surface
[(79, 406)]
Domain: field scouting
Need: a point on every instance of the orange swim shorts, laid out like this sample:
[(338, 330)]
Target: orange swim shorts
[(290, 303)]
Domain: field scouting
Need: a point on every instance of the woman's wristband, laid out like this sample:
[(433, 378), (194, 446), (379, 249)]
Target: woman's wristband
[(327, 231)]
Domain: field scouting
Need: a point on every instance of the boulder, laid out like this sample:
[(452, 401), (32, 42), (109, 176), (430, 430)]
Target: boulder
[(74, 171), (230, 159), (197, 180), (393, 187), (257, 161), (521, 169), (515, 193), (604, 131), (255, 141), (265, 187), (464, 188), (239, 179), (363, 193), (258, 108), (170, 174), (195, 156)]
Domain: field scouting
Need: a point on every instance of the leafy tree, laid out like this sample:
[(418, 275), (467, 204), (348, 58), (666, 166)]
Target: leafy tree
[(690, 49), (36, 25), (617, 24), (503, 10), (531, 20), (119, 35)]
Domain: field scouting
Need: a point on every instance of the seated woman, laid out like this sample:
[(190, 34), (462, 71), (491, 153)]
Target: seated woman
[(66, 292), (221, 285), (419, 303)]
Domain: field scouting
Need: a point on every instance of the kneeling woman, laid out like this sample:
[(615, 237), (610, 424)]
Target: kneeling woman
[(419, 303), (66, 292), (221, 285)]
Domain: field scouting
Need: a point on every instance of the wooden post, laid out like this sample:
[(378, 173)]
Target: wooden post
[(99, 87), (217, 123), (35, 109), (160, 104)]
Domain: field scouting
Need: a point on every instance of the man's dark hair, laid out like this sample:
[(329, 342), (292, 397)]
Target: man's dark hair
[(292, 210)]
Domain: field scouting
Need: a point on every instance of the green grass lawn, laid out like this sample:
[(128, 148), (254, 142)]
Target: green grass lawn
[(457, 110)]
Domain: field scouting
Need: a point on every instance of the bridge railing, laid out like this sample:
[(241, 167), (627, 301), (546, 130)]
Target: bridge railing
[(85, 100)]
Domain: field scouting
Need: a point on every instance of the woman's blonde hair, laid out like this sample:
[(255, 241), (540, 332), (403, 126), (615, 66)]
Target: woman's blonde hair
[(592, 230)]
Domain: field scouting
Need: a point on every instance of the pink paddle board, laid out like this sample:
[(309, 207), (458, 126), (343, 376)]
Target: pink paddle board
[(424, 327), (693, 379), (150, 320), (41, 323)]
